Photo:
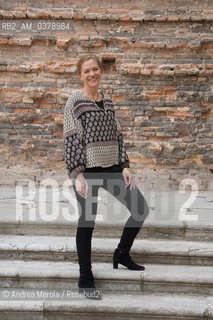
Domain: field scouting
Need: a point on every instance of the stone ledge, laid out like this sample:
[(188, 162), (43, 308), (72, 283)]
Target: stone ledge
[(118, 306), (102, 14), (64, 275), (205, 69), (57, 248), (166, 70), (187, 233), (62, 42)]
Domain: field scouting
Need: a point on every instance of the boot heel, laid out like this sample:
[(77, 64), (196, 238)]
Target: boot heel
[(115, 265)]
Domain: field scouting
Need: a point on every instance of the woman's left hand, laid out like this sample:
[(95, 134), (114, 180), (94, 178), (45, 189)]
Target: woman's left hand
[(128, 178)]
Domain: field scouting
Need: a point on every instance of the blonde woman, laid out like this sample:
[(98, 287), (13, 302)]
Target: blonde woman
[(95, 151)]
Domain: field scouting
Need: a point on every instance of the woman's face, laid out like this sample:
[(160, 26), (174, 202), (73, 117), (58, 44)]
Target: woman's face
[(90, 73)]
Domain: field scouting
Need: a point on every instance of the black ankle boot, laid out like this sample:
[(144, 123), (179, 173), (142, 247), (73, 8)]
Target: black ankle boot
[(125, 259), (87, 287)]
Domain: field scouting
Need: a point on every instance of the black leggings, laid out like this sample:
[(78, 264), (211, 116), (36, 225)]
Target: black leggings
[(111, 179)]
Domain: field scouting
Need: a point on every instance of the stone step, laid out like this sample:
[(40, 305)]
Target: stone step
[(143, 251), (47, 275), (156, 230), (112, 306), (56, 216)]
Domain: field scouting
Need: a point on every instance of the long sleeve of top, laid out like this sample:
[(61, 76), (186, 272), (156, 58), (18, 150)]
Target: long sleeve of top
[(73, 141), (92, 135)]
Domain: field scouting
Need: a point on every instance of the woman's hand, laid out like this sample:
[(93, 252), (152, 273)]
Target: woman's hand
[(128, 178), (81, 185)]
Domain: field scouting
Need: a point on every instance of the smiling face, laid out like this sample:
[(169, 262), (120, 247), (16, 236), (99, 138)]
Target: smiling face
[(90, 74)]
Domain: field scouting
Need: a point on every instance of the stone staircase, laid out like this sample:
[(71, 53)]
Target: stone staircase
[(41, 257)]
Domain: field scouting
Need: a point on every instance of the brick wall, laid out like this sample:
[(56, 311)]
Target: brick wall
[(158, 60)]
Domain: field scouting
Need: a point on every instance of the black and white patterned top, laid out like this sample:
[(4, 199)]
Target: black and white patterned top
[(92, 135)]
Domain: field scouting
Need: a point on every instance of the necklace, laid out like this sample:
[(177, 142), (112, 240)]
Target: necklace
[(98, 96)]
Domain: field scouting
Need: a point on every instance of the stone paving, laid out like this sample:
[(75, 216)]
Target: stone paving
[(38, 253)]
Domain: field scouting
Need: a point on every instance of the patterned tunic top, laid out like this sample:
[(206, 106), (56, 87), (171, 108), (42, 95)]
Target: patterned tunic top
[(92, 135)]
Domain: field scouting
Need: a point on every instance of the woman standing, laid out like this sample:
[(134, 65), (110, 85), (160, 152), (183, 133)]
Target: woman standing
[(95, 154)]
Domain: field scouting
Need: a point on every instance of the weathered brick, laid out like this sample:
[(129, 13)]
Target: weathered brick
[(6, 14), (77, 16), (172, 18), (160, 18), (80, 2), (25, 42), (3, 41), (94, 10), (22, 9), (62, 43), (158, 70), (118, 11), (19, 14)]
